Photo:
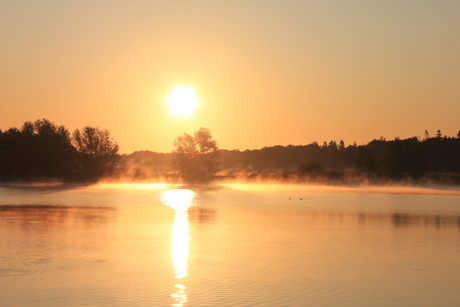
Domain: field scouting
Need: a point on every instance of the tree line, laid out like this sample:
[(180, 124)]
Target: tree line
[(44, 151), (435, 158)]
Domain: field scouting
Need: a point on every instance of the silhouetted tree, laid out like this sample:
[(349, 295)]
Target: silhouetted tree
[(406, 157), (50, 149), (98, 152), (40, 150), (196, 157), (11, 150)]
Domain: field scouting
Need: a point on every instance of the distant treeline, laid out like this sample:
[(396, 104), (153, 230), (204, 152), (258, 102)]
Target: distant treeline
[(433, 159), (44, 151)]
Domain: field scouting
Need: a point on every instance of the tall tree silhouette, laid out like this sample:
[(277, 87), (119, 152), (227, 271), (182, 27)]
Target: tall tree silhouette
[(98, 152), (51, 148), (196, 157)]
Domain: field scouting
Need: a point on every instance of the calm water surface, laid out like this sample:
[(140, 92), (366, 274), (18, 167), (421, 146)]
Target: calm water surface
[(151, 245)]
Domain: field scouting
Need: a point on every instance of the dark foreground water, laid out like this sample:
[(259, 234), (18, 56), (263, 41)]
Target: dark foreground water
[(151, 245)]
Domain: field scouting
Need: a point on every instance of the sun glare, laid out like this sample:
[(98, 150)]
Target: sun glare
[(182, 101), (180, 201)]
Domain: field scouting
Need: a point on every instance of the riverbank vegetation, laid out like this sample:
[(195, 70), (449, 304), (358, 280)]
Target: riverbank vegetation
[(43, 151)]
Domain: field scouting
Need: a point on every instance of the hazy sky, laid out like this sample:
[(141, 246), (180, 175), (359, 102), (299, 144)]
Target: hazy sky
[(266, 72)]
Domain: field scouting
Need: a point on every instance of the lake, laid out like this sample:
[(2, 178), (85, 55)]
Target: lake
[(231, 245)]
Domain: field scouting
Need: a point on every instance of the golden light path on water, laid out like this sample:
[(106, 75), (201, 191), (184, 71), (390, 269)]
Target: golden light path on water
[(180, 201)]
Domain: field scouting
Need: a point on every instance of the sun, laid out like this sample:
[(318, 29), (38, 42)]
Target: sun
[(182, 101)]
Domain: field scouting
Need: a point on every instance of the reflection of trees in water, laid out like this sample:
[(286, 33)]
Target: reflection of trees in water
[(46, 238), (49, 216), (198, 214), (403, 219), (397, 219), (427, 220)]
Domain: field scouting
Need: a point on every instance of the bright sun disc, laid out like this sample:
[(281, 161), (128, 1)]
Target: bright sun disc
[(182, 101)]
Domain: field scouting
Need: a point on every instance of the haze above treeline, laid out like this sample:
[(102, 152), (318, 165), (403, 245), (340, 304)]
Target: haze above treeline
[(45, 151)]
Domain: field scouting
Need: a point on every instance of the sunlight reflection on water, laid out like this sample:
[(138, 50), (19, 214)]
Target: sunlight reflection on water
[(180, 201)]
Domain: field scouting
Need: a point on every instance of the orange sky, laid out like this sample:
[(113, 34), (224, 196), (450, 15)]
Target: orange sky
[(266, 72)]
